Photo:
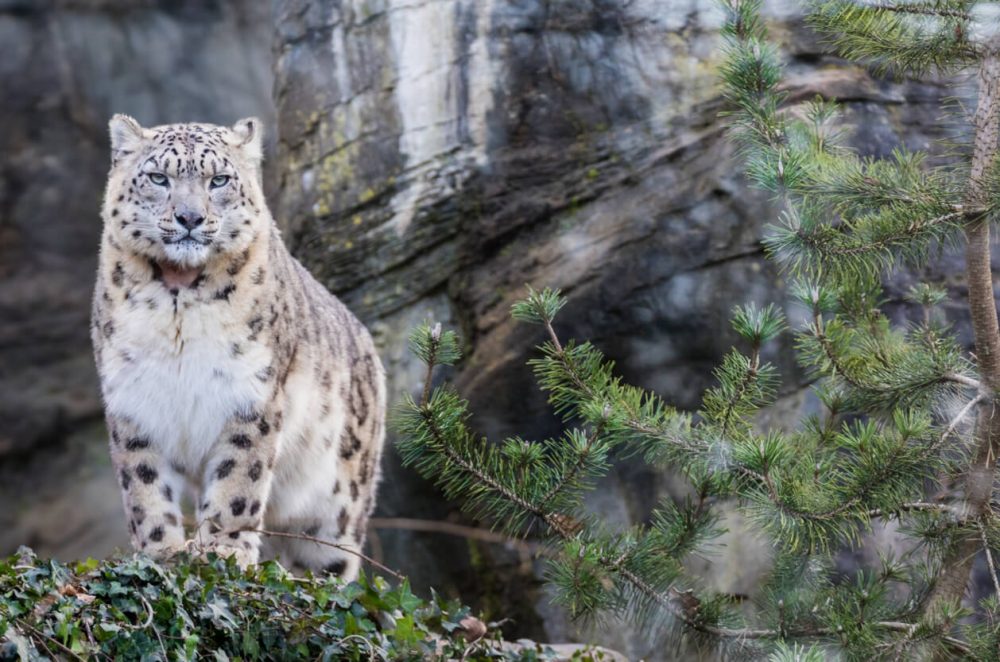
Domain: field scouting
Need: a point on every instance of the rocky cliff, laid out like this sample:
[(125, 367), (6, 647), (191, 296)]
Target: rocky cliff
[(432, 158), (435, 157)]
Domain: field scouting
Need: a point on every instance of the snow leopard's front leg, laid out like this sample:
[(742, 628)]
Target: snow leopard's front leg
[(236, 485), (151, 490)]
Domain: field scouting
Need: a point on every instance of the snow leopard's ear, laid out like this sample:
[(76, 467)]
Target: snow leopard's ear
[(249, 135), (126, 135)]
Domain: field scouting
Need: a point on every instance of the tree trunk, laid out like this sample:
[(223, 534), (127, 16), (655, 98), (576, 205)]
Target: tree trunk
[(954, 578)]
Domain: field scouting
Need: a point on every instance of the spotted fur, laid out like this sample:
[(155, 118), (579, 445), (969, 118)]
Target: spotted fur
[(227, 371)]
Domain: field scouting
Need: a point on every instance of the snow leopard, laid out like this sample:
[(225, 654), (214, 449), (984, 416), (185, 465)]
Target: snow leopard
[(233, 382)]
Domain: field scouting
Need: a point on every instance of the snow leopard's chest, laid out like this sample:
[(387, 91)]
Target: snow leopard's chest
[(180, 376)]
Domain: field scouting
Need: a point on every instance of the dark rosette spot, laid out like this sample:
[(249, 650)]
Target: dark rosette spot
[(136, 443), (238, 505), (241, 441), (146, 473), (225, 468)]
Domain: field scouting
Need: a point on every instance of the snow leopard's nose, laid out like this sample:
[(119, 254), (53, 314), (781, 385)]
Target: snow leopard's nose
[(188, 219)]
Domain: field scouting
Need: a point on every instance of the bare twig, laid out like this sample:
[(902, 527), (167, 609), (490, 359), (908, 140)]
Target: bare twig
[(554, 338), (962, 379), (149, 623), (41, 637), (149, 617), (327, 543), (452, 529), (918, 506), (959, 417), (923, 11), (989, 558)]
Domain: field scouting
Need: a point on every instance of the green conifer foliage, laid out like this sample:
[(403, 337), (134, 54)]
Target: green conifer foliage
[(907, 411)]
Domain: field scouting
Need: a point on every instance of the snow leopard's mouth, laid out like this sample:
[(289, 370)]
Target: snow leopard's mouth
[(186, 250), (186, 240), (174, 275)]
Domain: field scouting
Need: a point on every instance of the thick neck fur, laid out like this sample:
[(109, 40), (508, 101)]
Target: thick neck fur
[(234, 278)]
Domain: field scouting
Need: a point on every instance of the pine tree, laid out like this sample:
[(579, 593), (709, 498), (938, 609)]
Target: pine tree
[(906, 410)]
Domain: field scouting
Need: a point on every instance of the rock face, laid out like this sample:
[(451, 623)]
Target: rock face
[(436, 156), (433, 157)]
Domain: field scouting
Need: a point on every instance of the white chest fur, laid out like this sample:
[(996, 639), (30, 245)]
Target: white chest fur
[(180, 376)]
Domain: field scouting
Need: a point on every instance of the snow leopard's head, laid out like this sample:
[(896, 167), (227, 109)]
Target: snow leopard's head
[(183, 195)]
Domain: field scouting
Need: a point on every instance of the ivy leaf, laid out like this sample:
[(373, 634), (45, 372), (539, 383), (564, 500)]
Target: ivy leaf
[(408, 602), (218, 612)]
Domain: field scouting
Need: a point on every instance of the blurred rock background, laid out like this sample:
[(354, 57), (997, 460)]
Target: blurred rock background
[(428, 158)]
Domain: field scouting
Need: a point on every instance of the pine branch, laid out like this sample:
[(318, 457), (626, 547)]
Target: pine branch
[(855, 186), (434, 347), (932, 448), (560, 524), (858, 497), (769, 633), (879, 244), (568, 477), (870, 244), (431, 362), (893, 41), (849, 508), (744, 385), (751, 72), (831, 354), (924, 10), (557, 523), (882, 370), (635, 424)]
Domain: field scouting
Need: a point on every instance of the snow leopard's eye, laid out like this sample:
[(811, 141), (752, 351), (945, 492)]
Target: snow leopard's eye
[(158, 178), (219, 181)]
